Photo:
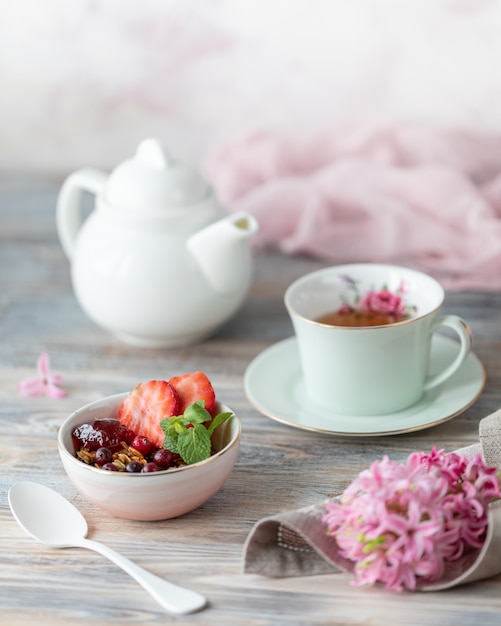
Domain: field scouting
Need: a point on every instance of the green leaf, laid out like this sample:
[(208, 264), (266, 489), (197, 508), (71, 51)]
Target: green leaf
[(167, 424), (194, 444), (196, 413), (171, 444), (187, 434), (170, 427), (219, 419)]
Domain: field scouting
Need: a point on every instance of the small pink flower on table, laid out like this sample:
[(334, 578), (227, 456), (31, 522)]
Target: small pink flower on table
[(45, 383), (401, 523)]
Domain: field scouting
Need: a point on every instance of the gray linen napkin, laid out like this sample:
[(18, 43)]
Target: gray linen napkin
[(296, 543)]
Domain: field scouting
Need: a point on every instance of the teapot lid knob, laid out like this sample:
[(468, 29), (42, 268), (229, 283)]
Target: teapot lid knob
[(150, 152), (151, 181)]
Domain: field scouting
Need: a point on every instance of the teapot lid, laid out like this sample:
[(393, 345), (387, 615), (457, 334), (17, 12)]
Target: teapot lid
[(151, 181)]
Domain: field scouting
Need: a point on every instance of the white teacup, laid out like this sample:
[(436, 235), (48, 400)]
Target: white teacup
[(370, 370)]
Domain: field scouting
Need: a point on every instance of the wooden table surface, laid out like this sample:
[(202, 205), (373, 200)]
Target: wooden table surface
[(279, 467)]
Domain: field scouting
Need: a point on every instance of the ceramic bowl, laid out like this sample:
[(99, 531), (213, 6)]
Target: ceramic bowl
[(156, 495)]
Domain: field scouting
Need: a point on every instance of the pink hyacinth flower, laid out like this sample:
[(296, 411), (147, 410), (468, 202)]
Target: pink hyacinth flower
[(45, 383), (402, 523)]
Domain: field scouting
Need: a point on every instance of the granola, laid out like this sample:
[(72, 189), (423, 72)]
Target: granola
[(121, 458)]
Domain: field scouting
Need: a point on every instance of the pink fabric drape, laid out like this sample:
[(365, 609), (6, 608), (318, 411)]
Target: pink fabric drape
[(425, 197)]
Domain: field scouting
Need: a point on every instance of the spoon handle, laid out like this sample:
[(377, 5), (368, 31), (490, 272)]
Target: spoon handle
[(173, 598)]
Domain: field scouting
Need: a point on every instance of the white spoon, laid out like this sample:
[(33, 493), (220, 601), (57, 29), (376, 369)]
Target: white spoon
[(51, 519)]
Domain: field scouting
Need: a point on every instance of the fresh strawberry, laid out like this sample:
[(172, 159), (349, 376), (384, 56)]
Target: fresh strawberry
[(146, 405), (193, 387)]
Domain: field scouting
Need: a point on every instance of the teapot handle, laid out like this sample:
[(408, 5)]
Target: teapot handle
[(68, 212)]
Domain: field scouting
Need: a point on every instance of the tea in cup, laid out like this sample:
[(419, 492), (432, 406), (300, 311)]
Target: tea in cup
[(364, 334)]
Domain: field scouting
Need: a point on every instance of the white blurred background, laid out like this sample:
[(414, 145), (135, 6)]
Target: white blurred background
[(83, 81)]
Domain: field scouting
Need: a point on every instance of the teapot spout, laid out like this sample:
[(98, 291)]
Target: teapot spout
[(222, 252)]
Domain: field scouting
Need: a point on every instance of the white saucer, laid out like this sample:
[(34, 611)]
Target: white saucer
[(273, 383)]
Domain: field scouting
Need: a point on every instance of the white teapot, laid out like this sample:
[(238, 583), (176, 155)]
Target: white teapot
[(157, 262)]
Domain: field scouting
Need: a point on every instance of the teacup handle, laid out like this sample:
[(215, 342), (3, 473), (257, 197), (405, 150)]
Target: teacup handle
[(464, 333)]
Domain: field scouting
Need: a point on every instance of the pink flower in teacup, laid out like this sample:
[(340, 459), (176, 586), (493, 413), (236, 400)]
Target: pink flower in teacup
[(383, 302), (376, 301)]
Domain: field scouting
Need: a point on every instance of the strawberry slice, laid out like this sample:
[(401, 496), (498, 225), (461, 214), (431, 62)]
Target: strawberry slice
[(193, 387), (146, 405)]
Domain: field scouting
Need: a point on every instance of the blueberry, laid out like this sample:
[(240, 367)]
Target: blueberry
[(103, 456), (133, 467)]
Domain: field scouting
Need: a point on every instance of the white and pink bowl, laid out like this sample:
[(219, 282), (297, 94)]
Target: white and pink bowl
[(156, 495)]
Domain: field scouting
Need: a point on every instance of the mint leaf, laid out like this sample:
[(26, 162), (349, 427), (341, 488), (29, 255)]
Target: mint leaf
[(170, 443), (170, 426), (194, 444), (187, 434), (218, 420), (196, 413)]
